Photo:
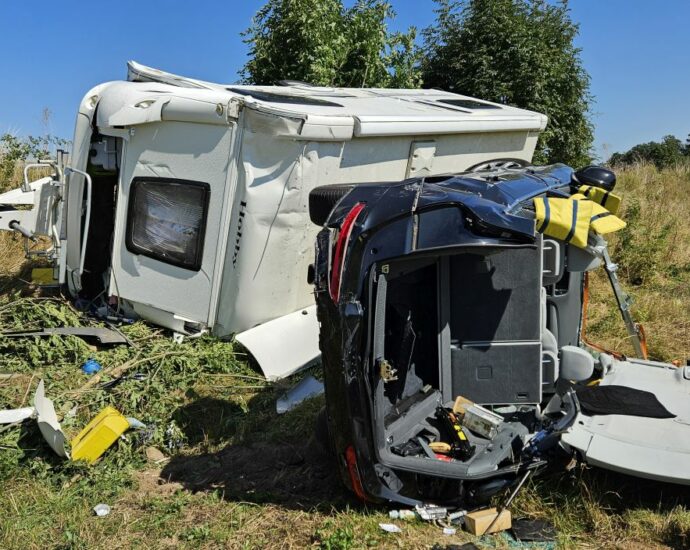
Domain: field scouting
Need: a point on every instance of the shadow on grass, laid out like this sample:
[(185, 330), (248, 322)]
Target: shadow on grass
[(18, 282), (208, 419), (277, 461)]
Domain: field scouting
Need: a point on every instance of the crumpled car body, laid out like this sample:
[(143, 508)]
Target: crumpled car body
[(434, 289)]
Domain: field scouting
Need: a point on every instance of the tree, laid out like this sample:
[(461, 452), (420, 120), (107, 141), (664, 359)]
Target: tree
[(516, 52), (323, 43), (669, 152)]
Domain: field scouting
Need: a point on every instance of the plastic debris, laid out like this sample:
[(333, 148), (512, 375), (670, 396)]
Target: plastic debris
[(101, 510), (174, 437), (402, 514), (431, 512), (449, 531), (533, 530), (457, 517), (390, 528), (98, 335), (48, 422), (136, 424), (308, 387), (98, 435), (10, 416), (91, 367)]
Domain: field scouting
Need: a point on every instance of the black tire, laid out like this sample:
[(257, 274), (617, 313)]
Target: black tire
[(323, 199), (322, 434)]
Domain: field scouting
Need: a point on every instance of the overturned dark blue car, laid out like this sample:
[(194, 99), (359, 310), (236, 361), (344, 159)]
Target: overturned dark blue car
[(450, 312)]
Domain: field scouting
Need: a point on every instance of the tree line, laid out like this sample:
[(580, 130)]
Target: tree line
[(515, 52), (670, 151)]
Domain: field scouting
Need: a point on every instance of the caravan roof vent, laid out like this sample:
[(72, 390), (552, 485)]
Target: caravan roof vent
[(469, 104), (284, 98)]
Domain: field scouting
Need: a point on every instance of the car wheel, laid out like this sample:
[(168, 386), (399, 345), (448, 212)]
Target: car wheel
[(323, 199)]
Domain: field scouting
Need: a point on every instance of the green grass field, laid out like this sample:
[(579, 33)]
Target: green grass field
[(234, 474)]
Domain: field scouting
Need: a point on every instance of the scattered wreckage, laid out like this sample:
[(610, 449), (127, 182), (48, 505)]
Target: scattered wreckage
[(450, 288), (451, 311)]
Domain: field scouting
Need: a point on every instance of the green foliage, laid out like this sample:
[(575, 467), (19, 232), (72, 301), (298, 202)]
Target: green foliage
[(516, 52), (15, 149), (173, 375), (337, 539), (665, 154), (323, 43)]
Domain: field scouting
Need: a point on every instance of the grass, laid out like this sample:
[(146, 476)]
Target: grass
[(237, 475)]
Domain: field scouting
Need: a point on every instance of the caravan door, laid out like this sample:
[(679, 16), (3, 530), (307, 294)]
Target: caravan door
[(170, 224)]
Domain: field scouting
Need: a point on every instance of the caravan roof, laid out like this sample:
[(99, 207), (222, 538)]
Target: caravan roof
[(347, 112)]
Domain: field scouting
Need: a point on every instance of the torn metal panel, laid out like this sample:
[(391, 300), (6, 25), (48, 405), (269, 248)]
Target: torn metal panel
[(284, 345), (48, 422)]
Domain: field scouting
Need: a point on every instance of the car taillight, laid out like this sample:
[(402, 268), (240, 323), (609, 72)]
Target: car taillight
[(340, 246), (355, 480)]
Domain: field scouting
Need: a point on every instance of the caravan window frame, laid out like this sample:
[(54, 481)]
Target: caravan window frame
[(135, 187)]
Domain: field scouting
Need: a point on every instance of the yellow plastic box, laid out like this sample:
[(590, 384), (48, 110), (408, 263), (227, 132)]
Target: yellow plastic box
[(99, 435)]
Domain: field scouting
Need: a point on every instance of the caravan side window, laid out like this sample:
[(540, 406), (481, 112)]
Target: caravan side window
[(166, 220)]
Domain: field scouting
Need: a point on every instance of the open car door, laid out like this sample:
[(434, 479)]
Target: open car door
[(643, 446)]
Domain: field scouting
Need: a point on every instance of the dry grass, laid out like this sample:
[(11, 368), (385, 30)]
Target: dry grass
[(653, 254), (11, 245), (11, 255)]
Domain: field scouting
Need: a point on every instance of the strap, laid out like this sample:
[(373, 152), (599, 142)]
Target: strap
[(599, 216), (606, 197), (573, 223), (547, 215)]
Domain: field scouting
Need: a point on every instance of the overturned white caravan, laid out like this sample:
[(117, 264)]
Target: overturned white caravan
[(185, 202)]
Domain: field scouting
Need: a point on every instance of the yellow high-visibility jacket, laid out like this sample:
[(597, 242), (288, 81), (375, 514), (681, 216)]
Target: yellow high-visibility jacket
[(564, 219), (571, 219), (602, 221), (601, 196)]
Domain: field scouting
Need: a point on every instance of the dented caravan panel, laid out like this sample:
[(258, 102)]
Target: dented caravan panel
[(261, 149)]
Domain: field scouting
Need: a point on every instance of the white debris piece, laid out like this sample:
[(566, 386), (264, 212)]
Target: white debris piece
[(308, 387), (10, 416), (48, 422), (101, 510)]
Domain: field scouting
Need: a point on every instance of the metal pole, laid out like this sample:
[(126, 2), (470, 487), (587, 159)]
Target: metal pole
[(510, 499), (623, 302)]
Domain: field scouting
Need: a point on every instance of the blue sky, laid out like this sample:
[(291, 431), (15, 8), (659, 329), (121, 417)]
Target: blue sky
[(637, 52)]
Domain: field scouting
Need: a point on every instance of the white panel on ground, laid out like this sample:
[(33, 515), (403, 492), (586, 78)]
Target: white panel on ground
[(284, 345), (652, 448)]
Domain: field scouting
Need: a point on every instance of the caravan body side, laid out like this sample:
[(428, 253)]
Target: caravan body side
[(258, 151), (272, 239)]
